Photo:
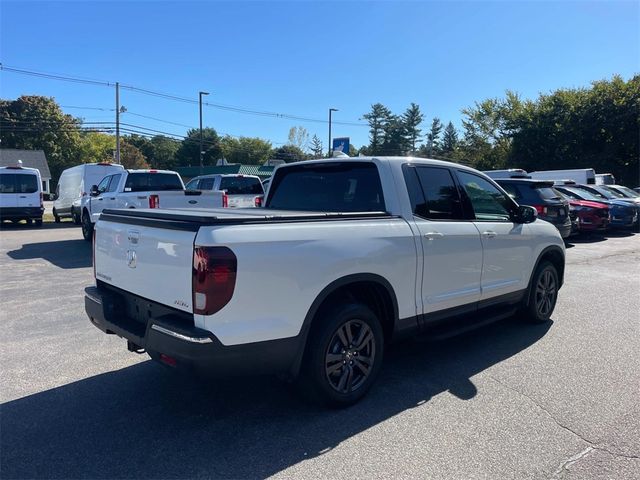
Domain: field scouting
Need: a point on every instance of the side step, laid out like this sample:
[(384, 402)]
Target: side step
[(467, 323)]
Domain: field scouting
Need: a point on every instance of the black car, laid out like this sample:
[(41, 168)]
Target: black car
[(541, 195)]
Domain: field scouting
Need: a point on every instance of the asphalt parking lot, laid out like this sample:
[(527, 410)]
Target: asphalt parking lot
[(509, 401)]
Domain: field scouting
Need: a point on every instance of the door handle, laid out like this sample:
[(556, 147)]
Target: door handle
[(112, 198), (100, 199), (433, 235), (23, 196), (489, 234)]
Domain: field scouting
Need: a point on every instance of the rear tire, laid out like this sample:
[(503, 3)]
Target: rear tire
[(344, 356), (56, 218), (543, 293), (87, 226), (76, 217), (38, 222)]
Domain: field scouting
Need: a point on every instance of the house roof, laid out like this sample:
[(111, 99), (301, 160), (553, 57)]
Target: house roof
[(30, 158)]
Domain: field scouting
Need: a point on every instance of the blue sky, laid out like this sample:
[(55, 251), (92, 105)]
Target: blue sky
[(301, 58)]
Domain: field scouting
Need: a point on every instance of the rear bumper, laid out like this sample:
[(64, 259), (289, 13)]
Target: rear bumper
[(563, 227), (19, 213), (168, 339)]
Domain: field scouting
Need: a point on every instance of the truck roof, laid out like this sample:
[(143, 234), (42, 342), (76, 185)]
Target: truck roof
[(388, 159)]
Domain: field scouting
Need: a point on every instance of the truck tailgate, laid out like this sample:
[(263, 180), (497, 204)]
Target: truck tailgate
[(154, 263)]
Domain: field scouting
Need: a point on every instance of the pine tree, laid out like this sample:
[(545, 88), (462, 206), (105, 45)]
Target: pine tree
[(449, 139), (412, 118), (378, 119), (433, 137), (316, 147)]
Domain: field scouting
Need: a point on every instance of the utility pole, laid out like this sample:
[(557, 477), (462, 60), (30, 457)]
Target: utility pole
[(200, 94), (331, 110), (117, 122)]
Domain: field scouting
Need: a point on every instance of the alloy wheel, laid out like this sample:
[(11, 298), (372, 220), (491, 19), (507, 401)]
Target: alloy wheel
[(546, 292)]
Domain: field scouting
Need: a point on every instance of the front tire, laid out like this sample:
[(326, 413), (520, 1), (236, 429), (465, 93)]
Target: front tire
[(56, 218), (344, 356), (543, 293), (87, 227)]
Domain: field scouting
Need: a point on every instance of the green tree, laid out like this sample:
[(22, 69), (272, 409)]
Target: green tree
[(432, 145), (449, 139), (96, 147), (131, 156), (189, 152), (164, 152), (36, 122), (288, 153), (317, 150), (412, 118), (378, 119), (245, 150), (395, 138), (142, 143)]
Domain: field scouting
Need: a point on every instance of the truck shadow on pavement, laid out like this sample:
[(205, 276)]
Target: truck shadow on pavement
[(145, 422), (63, 253), (8, 226)]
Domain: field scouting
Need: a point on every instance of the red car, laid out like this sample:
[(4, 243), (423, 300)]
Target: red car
[(592, 216)]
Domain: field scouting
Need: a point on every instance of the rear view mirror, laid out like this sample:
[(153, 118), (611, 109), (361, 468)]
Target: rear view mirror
[(94, 192), (525, 214)]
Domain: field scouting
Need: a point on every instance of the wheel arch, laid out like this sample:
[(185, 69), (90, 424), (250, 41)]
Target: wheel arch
[(553, 254), (371, 289)]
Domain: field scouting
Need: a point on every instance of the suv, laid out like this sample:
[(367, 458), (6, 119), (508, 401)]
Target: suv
[(540, 195), (242, 190), (20, 194)]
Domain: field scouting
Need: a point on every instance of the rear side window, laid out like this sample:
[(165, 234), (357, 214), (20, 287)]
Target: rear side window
[(206, 184), (548, 193), (328, 187), (241, 186), (438, 197), (144, 182)]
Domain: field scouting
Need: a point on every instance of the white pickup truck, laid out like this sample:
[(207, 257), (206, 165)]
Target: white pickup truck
[(347, 256), (143, 189)]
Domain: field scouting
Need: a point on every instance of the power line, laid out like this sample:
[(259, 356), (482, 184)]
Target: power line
[(178, 98)]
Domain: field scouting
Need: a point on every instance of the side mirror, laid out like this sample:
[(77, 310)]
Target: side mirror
[(94, 192), (525, 214)]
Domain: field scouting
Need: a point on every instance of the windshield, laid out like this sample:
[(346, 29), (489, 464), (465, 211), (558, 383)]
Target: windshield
[(548, 193), (579, 194), (625, 191), (144, 182), (328, 187)]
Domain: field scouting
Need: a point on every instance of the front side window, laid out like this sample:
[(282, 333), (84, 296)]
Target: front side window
[(489, 203), (115, 180), (104, 184)]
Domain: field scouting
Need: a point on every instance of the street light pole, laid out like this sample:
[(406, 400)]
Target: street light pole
[(117, 122), (331, 110), (200, 94)]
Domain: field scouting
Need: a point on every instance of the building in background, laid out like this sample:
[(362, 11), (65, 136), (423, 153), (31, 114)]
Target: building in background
[(30, 158)]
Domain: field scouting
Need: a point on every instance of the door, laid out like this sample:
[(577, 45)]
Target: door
[(451, 243), (507, 246), (98, 202), (8, 194), (28, 188), (111, 192)]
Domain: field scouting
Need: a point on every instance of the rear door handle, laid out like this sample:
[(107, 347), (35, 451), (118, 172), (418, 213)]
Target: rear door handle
[(489, 234), (23, 196), (433, 235)]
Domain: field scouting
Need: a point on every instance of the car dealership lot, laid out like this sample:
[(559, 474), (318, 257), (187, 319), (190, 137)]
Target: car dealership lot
[(507, 401)]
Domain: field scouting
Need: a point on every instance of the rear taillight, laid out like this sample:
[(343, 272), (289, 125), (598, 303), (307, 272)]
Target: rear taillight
[(542, 210), (258, 202), (225, 200), (154, 201), (214, 278), (41, 199)]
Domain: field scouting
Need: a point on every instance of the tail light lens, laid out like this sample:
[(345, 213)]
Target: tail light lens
[(154, 201), (258, 202), (225, 200), (94, 252), (41, 199), (542, 210), (214, 278)]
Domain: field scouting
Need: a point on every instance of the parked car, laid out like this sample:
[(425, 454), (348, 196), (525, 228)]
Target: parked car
[(21, 194), (243, 191), (622, 214), (143, 189), (73, 188), (346, 256), (591, 216), (626, 192), (541, 196)]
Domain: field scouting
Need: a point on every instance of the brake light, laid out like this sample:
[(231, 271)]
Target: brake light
[(154, 201), (258, 202), (214, 278), (153, 171), (225, 200), (41, 200), (542, 210)]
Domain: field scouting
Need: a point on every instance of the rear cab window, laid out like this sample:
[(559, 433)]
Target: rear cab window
[(18, 183), (149, 181), (327, 187), (241, 185)]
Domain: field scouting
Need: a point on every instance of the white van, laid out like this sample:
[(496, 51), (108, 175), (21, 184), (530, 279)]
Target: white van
[(20, 194), (73, 188), (583, 176), (605, 179)]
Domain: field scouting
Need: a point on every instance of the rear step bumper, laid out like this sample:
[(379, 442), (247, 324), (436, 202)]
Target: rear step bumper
[(172, 343)]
